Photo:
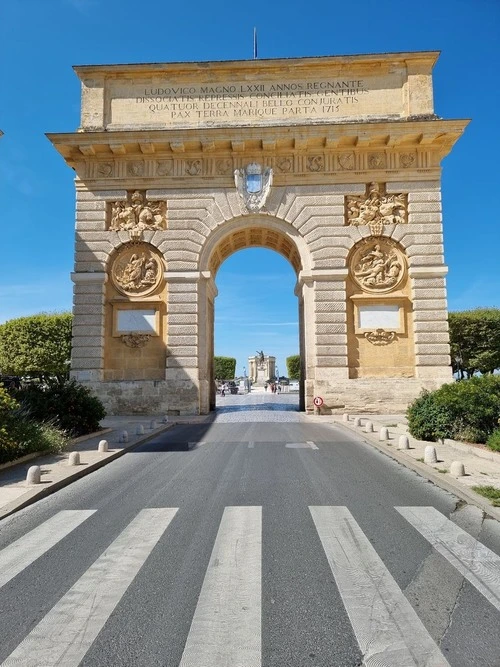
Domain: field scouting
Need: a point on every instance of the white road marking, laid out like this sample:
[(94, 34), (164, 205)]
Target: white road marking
[(388, 630), (301, 445), (226, 626), (66, 633), (477, 563), (24, 551)]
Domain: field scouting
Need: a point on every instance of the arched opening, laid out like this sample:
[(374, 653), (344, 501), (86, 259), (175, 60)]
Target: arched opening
[(266, 234)]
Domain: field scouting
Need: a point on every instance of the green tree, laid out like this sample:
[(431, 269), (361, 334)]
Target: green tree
[(39, 345), (475, 341), (293, 366), (224, 368)]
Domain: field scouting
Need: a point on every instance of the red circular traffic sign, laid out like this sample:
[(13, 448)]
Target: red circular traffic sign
[(318, 401)]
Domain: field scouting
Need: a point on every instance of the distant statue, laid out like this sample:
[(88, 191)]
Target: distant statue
[(261, 356)]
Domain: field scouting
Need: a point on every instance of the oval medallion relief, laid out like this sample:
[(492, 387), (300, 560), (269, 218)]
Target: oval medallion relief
[(137, 270), (378, 266)]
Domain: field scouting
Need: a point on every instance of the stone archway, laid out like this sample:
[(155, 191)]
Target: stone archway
[(313, 157), (256, 230)]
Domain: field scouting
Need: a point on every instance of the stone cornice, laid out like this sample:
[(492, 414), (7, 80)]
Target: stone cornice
[(332, 63), (374, 150)]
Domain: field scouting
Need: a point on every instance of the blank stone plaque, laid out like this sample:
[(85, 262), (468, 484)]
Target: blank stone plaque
[(382, 316), (143, 321)]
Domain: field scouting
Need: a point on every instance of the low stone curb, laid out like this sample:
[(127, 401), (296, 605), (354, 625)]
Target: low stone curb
[(32, 495), (450, 485)]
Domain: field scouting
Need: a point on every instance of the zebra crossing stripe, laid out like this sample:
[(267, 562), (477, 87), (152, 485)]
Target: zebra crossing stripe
[(24, 551), (387, 629), (477, 563), (66, 633), (226, 626)]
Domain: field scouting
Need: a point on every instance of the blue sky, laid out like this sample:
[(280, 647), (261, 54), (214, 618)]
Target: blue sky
[(40, 40)]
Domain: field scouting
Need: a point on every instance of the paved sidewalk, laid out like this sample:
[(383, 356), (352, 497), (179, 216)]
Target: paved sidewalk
[(482, 466), (16, 493)]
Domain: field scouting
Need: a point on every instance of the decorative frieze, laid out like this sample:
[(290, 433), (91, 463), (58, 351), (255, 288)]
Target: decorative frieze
[(181, 165), (376, 208)]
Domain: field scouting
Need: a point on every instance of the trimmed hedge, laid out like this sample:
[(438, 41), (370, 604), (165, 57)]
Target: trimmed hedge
[(466, 410)]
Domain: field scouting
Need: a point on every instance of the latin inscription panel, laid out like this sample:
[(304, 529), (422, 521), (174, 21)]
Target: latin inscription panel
[(160, 102)]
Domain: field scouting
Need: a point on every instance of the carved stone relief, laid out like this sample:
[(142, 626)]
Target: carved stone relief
[(135, 168), (346, 161), (137, 214), (407, 160), (193, 167), (135, 339), (315, 163), (378, 266), (164, 167), (376, 160), (104, 169), (284, 164), (380, 337), (223, 167), (137, 270), (376, 209)]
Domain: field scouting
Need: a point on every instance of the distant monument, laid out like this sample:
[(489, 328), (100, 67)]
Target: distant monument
[(261, 368)]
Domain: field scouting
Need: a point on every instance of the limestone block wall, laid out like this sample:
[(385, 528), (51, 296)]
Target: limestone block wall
[(306, 223)]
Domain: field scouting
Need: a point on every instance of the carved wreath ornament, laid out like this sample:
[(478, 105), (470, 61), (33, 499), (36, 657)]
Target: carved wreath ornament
[(378, 267), (380, 337), (136, 270)]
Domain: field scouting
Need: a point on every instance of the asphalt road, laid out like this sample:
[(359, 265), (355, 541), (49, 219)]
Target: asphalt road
[(258, 539)]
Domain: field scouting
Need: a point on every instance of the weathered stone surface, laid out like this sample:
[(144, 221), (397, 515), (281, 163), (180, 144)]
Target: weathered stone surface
[(195, 216)]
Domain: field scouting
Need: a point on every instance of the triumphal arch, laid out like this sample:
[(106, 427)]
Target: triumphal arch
[(334, 162)]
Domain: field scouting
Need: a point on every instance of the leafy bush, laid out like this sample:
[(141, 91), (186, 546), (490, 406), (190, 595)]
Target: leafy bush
[(427, 420), (21, 435), (493, 441), (465, 410), (293, 366), (71, 406)]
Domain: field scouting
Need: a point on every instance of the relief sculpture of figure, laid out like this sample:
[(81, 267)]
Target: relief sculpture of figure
[(378, 269)]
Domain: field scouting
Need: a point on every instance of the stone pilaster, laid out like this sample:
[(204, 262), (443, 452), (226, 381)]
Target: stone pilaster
[(181, 373), (87, 355)]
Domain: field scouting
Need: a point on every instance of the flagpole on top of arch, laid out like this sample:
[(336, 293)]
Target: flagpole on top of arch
[(255, 43)]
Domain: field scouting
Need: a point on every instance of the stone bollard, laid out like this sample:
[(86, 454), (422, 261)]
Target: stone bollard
[(153, 425), (34, 475), (430, 455), (384, 433), (139, 430), (357, 421), (403, 442), (369, 427), (123, 436), (345, 417), (457, 469), (74, 459), (103, 446)]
